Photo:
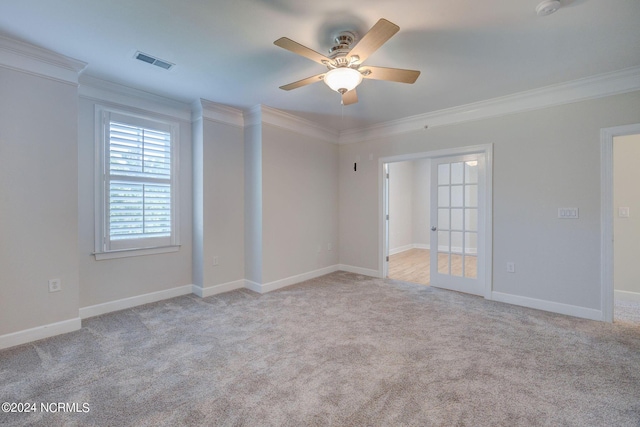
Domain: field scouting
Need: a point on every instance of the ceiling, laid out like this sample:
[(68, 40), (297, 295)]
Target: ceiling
[(467, 50)]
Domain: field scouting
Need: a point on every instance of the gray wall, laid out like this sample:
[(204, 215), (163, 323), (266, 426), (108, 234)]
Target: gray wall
[(300, 203), (401, 199), (38, 200), (114, 279), (409, 205), (543, 160), (223, 189)]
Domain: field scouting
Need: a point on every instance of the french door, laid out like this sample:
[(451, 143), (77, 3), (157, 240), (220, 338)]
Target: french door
[(457, 223)]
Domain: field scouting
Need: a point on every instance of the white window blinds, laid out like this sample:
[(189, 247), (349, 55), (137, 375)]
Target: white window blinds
[(138, 183)]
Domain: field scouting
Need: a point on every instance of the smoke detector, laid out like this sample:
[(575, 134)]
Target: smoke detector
[(548, 7)]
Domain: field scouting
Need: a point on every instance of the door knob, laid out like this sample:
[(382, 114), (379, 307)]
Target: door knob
[(433, 228)]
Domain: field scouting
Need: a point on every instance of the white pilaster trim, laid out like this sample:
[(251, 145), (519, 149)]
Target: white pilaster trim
[(39, 332), (554, 307), (124, 303), (598, 86), (218, 289), (260, 114), (217, 113), (253, 286), (22, 56)]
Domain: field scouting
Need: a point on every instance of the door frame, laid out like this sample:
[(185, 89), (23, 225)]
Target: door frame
[(606, 214), (487, 151)]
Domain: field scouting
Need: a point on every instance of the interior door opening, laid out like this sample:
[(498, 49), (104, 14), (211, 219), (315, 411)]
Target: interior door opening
[(626, 228), (408, 200), (435, 216)]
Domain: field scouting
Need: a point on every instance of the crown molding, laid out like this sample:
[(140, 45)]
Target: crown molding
[(120, 95), (598, 86), (217, 112), (22, 56), (260, 114)]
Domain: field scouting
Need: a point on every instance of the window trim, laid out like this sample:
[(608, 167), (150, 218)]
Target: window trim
[(103, 116)]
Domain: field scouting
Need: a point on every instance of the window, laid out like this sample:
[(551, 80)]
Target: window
[(137, 181)]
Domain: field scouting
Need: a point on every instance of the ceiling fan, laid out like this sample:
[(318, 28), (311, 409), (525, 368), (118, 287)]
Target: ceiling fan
[(345, 62)]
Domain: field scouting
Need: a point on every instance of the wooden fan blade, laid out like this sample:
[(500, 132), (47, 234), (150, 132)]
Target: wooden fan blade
[(390, 74), (382, 31), (299, 49), (303, 82), (350, 97)]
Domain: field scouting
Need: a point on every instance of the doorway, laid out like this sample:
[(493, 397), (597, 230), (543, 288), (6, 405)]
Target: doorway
[(620, 217), (408, 237), (457, 221), (626, 228)]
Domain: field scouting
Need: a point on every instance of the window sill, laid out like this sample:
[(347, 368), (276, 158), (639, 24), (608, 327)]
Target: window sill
[(126, 253)]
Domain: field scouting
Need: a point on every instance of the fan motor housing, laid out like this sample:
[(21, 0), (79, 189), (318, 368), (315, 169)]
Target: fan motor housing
[(343, 41)]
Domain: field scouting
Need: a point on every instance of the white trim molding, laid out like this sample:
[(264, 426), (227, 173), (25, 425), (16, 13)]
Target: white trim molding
[(606, 214), (39, 332), (359, 270), (626, 296), (292, 280), (253, 286), (551, 306), (218, 289), (217, 112), (22, 56), (401, 249), (598, 86), (260, 114), (122, 304), (408, 247), (125, 97), (483, 149)]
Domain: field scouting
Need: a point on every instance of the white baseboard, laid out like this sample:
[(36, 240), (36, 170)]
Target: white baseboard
[(218, 289), (626, 296), (277, 284), (410, 246), (554, 307), (40, 332), (253, 286), (401, 249), (359, 270), (121, 304)]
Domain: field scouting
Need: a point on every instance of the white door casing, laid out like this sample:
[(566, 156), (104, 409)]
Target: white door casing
[(485, 153)]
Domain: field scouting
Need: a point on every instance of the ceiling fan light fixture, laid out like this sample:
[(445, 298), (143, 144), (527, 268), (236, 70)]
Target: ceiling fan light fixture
[(343, 79)]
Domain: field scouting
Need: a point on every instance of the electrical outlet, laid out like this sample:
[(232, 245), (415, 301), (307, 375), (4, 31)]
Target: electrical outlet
[(511, 267), (568, 213), (216, 260), (329, 247), (55, 285)]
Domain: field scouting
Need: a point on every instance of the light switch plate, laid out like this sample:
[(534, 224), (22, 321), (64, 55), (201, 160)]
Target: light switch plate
[(624, 212)]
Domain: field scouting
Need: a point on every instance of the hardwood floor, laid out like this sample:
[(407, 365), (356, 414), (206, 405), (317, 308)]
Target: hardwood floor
[(413, 266), (410, 266)]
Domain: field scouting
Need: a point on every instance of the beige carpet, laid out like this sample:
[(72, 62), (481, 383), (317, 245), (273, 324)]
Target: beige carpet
[(340, 350)]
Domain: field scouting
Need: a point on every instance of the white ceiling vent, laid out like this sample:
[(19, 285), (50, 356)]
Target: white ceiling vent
[(144, 57)]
